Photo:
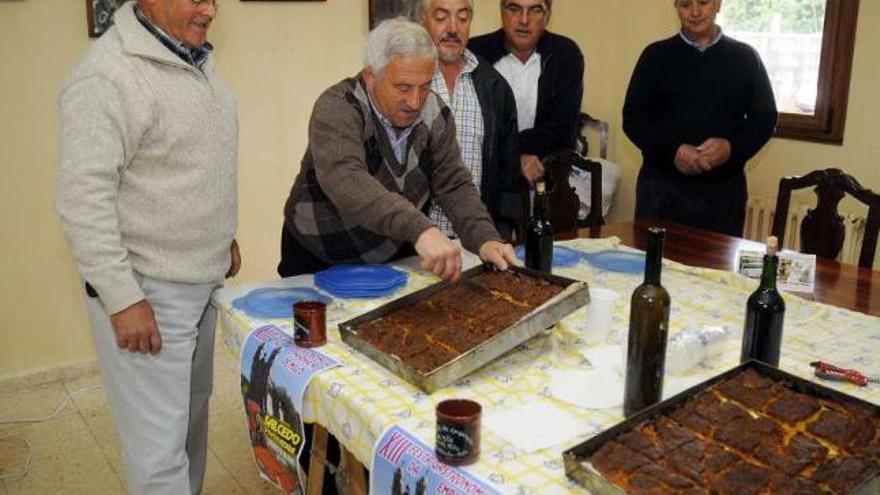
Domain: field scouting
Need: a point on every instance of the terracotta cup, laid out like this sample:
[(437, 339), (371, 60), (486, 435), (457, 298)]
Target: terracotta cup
[(458, 431), (309, 323)]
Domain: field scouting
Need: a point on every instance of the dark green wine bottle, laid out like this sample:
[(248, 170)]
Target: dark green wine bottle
[(539, 234), (648, 328), (765, 312)]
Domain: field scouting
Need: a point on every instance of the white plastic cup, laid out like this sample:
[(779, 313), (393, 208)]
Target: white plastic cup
[(600, 311)]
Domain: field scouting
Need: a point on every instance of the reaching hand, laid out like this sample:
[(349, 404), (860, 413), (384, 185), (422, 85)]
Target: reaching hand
[(715, 151), (439, 255), (499, 254), (136, 328), (235, 260), (531, 167)]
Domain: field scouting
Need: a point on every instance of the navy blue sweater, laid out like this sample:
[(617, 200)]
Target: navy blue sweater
[(679, 95)]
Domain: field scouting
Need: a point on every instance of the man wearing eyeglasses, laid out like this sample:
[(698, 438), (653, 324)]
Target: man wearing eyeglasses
[(484, 109), (147, 197), (546, 72)]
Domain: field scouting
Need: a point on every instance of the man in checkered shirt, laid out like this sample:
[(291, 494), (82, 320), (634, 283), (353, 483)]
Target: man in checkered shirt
[(485, 113)]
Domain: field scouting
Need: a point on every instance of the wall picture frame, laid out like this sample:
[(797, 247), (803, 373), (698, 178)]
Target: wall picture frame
[(386, 9), (100, 15)]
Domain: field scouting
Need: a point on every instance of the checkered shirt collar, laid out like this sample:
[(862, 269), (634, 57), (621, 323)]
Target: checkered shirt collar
[(470, 62)]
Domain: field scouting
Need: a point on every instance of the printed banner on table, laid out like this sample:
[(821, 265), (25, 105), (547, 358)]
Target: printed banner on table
[(274, 377), (404, 465)]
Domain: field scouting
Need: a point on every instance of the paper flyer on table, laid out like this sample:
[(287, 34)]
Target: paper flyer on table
[(796, 272), (274, 377), (403, 464)]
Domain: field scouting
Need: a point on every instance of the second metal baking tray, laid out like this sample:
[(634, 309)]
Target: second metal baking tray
[(574, 458), (574, 295)]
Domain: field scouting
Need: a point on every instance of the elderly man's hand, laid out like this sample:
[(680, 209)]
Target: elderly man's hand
[(715, 151), (136, 328), (689, 161), (532, 169), (439, 255), (499, 254)]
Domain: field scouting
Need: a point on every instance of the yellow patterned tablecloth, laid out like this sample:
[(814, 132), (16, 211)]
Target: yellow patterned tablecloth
[(356, 402)]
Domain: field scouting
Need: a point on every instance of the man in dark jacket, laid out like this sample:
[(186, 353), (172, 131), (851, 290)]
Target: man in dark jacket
[(545, 71), (484, 110), (699, 105)]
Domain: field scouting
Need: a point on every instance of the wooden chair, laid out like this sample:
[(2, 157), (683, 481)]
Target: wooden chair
[(587, 122), (564, 201), (822, 230)]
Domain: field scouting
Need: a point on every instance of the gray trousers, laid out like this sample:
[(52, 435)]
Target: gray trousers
[(160, 403)]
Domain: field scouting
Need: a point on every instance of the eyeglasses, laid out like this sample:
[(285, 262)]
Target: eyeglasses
[(517, 10), (199, 3)]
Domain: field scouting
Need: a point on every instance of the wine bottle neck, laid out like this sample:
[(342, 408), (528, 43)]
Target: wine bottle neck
[(654, 260), (768, 275), (540, 207)]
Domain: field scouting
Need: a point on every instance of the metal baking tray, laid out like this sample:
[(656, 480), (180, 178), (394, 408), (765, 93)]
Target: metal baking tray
[(575, 295), (590, 478)]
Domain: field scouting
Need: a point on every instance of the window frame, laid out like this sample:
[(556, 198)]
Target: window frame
[(828, 121)]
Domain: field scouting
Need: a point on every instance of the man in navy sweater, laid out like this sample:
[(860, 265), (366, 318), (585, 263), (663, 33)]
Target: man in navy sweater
[(699, 105)]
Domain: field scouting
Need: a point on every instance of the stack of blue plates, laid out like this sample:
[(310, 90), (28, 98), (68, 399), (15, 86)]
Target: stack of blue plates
[(271, 302), (360, 281), (562, 256)]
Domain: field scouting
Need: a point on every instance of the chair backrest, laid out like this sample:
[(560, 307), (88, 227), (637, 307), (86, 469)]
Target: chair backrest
[(564, 201), (822, 229), (585, 123)]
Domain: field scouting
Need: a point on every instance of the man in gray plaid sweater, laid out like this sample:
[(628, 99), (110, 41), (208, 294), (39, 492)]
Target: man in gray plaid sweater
[(382, 146)]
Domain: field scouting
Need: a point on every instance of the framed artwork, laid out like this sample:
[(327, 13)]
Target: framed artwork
[(386, 9), (100, 15)]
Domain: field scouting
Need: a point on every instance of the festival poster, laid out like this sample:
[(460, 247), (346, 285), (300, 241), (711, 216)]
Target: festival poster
[(404, 465), (274, 376)]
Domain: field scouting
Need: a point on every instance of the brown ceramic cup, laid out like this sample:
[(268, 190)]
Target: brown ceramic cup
[(458, 431), (309, 323)]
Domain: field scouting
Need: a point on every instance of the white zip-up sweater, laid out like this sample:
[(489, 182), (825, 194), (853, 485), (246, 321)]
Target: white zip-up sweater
[(149, 150)]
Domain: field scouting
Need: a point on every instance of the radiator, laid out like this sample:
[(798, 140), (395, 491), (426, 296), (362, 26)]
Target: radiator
[(759, 223)]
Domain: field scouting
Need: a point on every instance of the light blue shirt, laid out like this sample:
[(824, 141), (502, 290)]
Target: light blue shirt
[(396, 136), (696, 45)]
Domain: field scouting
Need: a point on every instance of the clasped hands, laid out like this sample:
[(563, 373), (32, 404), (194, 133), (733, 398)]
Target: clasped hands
[(442, 257), (693, 160)]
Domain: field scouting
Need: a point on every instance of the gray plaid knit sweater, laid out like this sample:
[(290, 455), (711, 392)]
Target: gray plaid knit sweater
[(353, 202)]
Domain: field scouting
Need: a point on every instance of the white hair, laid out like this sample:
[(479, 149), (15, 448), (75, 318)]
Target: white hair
[(397, 37), (420, 8)]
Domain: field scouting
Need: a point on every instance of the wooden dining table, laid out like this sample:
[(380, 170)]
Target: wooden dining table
[(837, 284)]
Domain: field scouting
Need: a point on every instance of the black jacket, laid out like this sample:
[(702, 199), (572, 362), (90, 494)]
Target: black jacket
[(560, 90), (499, 188)]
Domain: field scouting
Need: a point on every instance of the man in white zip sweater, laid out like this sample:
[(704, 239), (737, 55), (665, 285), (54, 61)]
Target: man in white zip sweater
[(147, 198)]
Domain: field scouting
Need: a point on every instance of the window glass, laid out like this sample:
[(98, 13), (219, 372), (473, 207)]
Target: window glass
[(788, 35)]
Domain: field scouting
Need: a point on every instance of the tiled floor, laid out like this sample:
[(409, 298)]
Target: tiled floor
[(78, 452)]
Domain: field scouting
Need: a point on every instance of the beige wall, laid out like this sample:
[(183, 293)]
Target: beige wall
[(278, 56)]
